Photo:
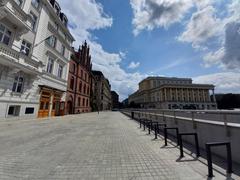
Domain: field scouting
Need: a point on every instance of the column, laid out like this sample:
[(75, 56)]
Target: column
[(213, 93), (193, 97), (182, 95), (198, 96), (177, 95), (165, 94), (171, 98), (203, 95)]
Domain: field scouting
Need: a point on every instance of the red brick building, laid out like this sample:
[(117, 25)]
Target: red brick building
[(79, 82)]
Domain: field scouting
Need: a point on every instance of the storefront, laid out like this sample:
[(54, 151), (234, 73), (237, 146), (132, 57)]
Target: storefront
[(50, 102)]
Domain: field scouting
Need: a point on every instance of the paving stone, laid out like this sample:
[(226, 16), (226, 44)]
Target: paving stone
[(90, 146)]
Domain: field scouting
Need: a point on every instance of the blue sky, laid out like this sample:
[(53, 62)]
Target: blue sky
[(132, 39)]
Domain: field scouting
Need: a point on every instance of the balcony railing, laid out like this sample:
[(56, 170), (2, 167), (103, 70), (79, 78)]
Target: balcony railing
[(18, 59), (9, 52), (14, 13)]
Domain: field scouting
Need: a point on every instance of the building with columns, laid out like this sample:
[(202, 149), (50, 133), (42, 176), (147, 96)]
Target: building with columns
[(173, 93), (35, 47)]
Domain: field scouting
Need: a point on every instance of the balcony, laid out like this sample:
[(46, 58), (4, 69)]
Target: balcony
[(19, 61), (14, 13)]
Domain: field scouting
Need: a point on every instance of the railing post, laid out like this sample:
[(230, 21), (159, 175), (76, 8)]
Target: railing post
[(229, 158), (197, 145), (165, 136), (228, 132), (156, 129), (193, 121), (181, 146), (209, 160)]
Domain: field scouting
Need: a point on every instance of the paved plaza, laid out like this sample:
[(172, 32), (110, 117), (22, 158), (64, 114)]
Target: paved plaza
[(91, 146)]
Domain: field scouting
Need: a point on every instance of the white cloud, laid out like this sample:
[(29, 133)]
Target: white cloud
[(202, 26), (226, 82), (87, 15), (150, 14), (133, 65), (214, 57)]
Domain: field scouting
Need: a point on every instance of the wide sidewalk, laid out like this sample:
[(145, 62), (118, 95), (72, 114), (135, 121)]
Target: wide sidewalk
[(91, 146)]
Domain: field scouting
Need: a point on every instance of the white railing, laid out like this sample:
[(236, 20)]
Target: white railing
[(9, 52)]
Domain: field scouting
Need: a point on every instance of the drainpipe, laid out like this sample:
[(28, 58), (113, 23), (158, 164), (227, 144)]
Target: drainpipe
[(75, 91)]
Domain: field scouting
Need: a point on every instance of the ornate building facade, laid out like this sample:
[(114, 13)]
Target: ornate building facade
[(79, 82), (35, 46), (173, 93)]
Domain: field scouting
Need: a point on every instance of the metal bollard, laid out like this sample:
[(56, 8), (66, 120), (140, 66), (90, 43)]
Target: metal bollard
[(166, 134), (209, 156), (196, 143)]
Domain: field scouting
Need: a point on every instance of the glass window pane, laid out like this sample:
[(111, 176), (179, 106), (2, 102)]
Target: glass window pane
[(2, 28), (19, 88), (21, 79), (9, 33), (14, 86), (6, 40), (1, 36)]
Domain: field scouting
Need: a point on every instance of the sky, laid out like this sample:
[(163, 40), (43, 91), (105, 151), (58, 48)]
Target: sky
[(133, 39)]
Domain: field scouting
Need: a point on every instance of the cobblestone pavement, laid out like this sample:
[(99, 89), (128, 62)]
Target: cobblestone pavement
[(90, 146)]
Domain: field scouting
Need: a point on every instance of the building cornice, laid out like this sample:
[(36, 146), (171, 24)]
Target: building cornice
[(57, 18)]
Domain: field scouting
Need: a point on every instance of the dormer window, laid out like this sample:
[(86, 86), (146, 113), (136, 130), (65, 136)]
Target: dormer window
[(19, 2), (64, 19), (36, 3), (57, 8)]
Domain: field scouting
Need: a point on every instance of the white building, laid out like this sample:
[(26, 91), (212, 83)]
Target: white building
[(35, 46)]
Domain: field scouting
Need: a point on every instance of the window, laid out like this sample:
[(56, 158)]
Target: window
[(29, 110), (84, 89), (36, 3), (14, 110), (33, 21), (52, 41), (88, 91), (63, 50), (87, 103), (60, 70), (57, 8), (5, 35), (25, 47), (81, 73), (79, 101), (80, 87), (72, 83), (83, 102), (55, 25), (18, 84), (19, 2), (50, 65), (74, 68)]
